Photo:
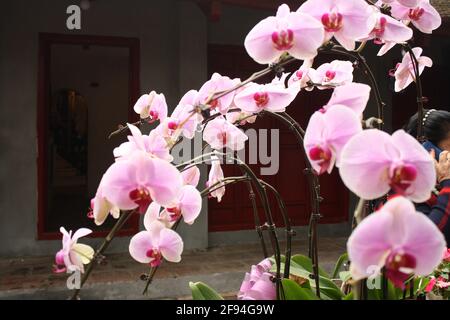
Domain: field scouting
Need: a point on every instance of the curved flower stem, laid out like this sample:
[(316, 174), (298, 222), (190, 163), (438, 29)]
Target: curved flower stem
[(368, 72), (314, 187), (253, 77), (258, 227), (420, 99), (262, 194), (287, 223), (123, 128), (117, 226), (361, 47)]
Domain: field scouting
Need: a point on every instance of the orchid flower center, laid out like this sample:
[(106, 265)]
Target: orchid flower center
[(60, 266), (329, 75), (319, 154), (402, 178), (392, 71), (416, 13), (322, 156), (174, 213), (399, 266), (214, 103), (378, 31), (153, 116), (172, 125), (156, 256), (299, 74), (332, 21), (90, 213), (142, 198), (222, 136), (283, 40), (261, 99)]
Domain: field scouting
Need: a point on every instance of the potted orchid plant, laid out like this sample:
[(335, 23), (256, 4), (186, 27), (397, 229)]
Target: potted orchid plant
[(393, 253)]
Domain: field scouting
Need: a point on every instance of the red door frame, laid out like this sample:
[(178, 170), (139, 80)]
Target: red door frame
[(46, 40)]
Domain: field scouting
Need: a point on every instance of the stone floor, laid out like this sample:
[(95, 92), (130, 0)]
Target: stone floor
[(118, 277)]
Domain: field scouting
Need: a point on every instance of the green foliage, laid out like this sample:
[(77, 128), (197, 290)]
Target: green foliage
[(201, 291), (345, 276), (306, 263), (293, 291), (301, 267), (348, 296), (342, 259)]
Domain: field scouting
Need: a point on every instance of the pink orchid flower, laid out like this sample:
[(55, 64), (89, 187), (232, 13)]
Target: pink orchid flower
[(153, 144), (181, 121), (301, 76), (215, 177), (191, 176), (154, 213), (151, 106), (397, 237), (258, 284), (326, 135), (73, 256), (296, 33), (352, 95), (335, 73), (346, 20), (388, 32), (101, 207), (374, 162), (188, 206), (220, 133), (423, 15), (155, 243), (404, 73), (139, 180), (216, 84), (272, 97)]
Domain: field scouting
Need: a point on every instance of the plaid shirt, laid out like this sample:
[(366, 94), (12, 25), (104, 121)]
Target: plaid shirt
[(437, 208)]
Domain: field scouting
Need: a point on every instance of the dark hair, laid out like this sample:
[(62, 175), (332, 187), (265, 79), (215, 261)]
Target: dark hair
[(436, 126)]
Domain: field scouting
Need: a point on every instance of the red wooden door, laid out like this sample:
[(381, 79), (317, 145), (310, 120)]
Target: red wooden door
[(235, 211)]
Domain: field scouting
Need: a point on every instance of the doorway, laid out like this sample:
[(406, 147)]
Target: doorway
[(87, 86)]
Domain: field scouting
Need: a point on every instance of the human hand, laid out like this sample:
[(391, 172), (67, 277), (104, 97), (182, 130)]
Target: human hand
[(443, 166)]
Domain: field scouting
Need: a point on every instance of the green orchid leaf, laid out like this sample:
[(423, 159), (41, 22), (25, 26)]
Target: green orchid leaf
[(293, 291), (201, 291), (342, 259)]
